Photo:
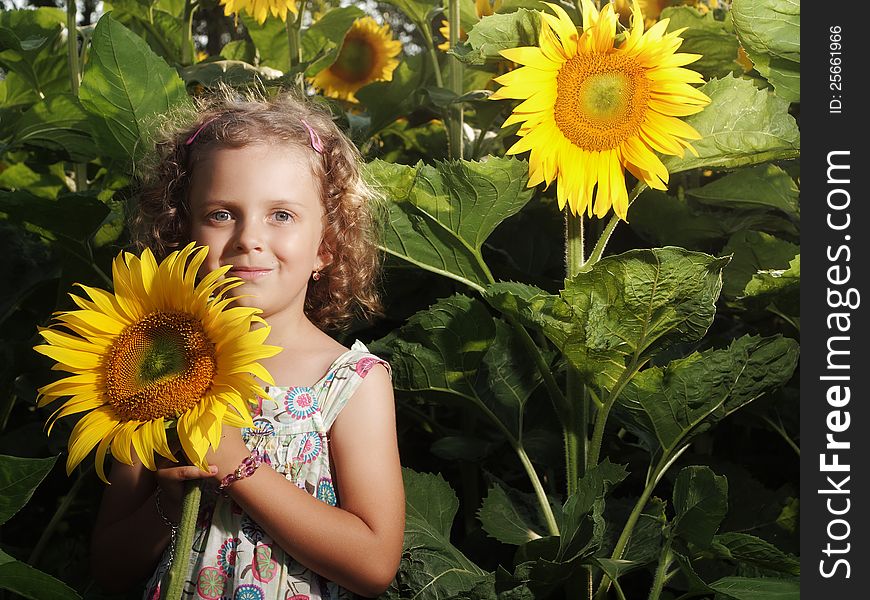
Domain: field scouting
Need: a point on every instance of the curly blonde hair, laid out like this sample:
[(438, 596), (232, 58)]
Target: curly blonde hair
[(226, 119)]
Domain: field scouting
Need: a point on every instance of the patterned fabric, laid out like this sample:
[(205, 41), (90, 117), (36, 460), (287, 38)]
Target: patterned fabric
[(232, 558)]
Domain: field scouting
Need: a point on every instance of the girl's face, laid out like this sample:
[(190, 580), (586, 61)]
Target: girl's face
[(258, 209)]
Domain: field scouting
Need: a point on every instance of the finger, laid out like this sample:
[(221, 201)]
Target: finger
[(185, 473)]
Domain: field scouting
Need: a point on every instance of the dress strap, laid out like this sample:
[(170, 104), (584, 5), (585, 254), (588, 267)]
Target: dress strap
[(343, 379)]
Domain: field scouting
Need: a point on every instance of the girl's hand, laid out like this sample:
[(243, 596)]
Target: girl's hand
[(170, 479), (230, 453)]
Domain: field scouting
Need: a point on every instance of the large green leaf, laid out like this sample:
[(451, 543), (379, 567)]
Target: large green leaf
[(231, 72), (431, 566), (683, 221), (713, 40), (45, 184), (30, 583), (762, 186), (456, 349), (271, 41), (73, 217), (19, 477), (769, 282), (499, 32), (385, 101), (770, 31), (754, 252), (756, 588), (57, 123), (507, 519), (439, 216), (322, 41), (700, 502), (623, 310), (748, 549), (162, 30), (124, 86), (742, 126), (666, 406), (31, 44)]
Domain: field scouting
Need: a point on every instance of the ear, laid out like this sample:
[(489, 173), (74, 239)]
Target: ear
[(324, 257)]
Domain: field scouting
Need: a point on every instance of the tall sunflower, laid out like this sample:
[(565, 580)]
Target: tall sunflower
[(260, 9), (591, 110), (368, 54), (159, 351)]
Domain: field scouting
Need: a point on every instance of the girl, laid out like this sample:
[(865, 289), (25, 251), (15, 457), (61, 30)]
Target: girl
[(273, 188)]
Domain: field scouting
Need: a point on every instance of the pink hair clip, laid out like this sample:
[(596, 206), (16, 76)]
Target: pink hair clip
[(197, 132), (316, 142)]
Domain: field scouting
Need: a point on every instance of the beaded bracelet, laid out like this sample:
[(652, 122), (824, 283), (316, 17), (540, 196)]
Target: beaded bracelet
[(245, 469)]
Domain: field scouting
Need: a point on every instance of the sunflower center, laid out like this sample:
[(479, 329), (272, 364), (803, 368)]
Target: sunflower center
[(601, 100), (159, 367), (355, 61)]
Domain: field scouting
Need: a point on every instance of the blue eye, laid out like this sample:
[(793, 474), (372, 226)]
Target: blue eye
[(220, 216), (283, 216)]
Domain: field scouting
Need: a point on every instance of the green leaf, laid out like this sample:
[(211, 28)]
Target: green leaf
[(431, 566), (30, 45), (667, 406), (271, 41), (73, 217), (622, 311), (440, 216), (769, 282), (498, 32), (385, 101), (419, 11), (506, 520), (706, 36), (28, 582), (754, 252), (124, 86), (322, 41), (161, 30), (57, 123), (232, 72), (756, 588), (741, 126), (700, 502), (19, 477), (763, 186), (456, 349), (682, 221), (748, 549), (243, 50), (19, 176), (770, 32)]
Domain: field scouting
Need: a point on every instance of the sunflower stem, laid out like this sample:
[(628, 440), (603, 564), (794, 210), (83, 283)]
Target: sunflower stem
[(175, 579), (433, 53), (601, 244), (72, 54), (577, 402), (455, 111), (187, 39)]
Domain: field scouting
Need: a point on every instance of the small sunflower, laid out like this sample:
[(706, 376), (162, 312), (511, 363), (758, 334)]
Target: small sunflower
[(591, 110), (368, 54), (161, 350), (260, 9)]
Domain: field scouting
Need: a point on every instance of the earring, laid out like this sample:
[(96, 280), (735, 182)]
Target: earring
[(315, 276)]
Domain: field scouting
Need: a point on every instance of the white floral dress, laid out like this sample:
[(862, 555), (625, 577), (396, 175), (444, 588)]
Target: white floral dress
[(232, 558)]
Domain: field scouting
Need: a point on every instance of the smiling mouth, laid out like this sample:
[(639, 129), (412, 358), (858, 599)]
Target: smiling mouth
[(248, 273)]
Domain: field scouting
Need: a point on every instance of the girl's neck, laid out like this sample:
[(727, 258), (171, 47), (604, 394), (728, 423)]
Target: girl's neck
[(290, 330)]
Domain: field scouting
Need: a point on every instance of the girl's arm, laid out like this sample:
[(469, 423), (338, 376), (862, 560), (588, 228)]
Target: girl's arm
[(129, 535), (358, 545)]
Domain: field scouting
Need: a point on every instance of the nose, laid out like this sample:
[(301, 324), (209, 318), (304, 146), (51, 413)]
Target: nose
[(248, 236)]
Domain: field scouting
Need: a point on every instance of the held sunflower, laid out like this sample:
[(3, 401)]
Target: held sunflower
[(592, 110), (368, 54), (160, 351), (260, 9)]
